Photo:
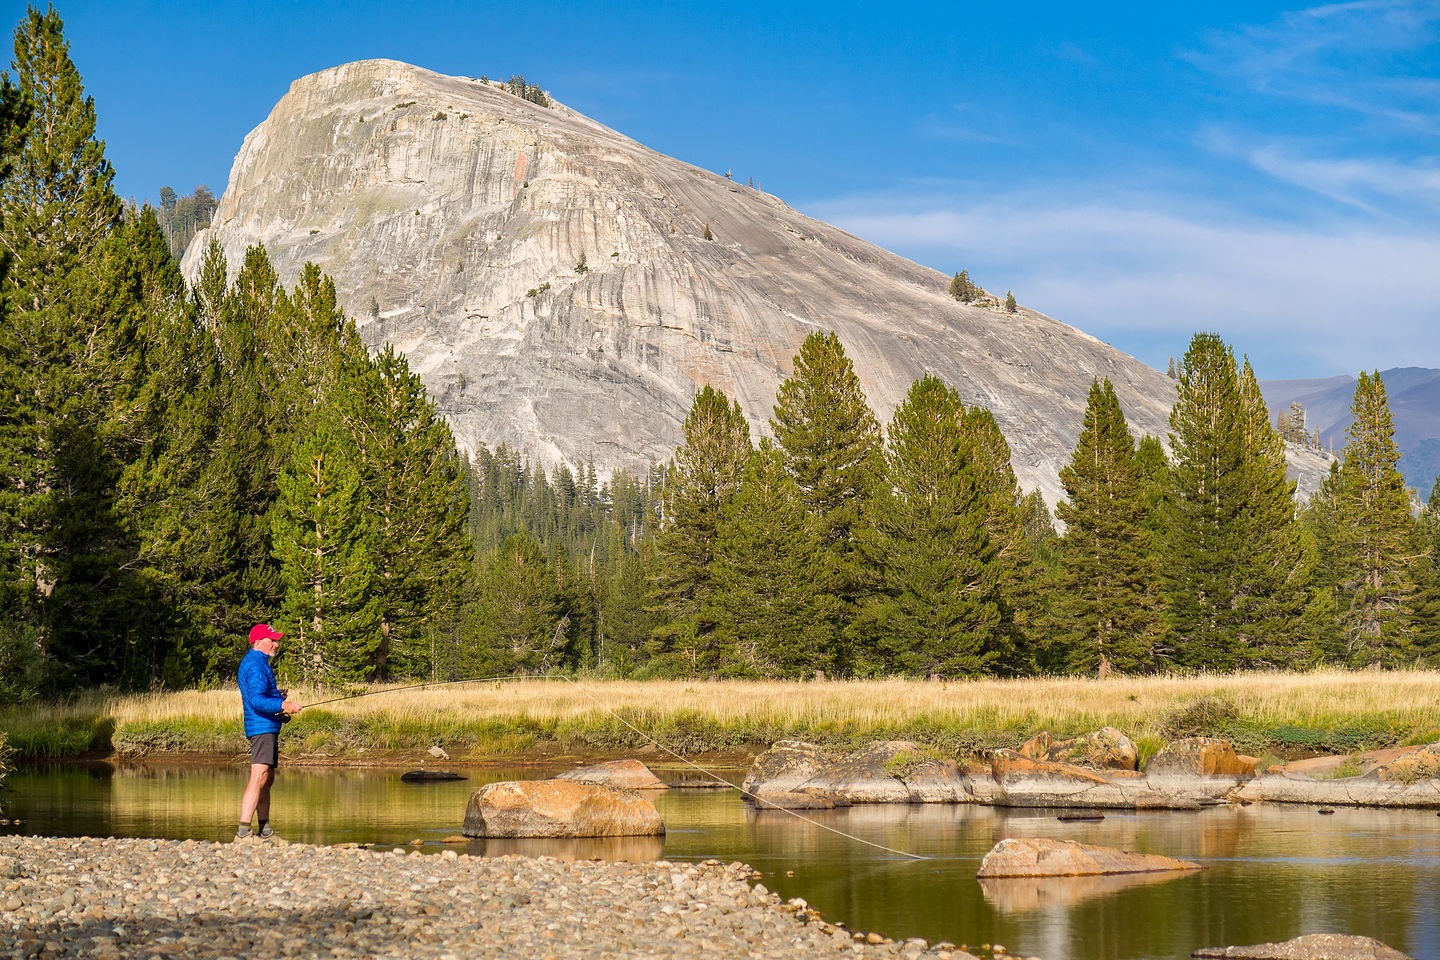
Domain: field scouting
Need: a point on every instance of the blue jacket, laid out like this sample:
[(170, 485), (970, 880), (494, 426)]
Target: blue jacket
[(263, 700)]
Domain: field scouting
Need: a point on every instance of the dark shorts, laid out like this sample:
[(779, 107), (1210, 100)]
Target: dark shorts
[(265, 748)]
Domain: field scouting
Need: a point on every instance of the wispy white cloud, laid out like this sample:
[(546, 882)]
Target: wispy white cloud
[(1145, 272)]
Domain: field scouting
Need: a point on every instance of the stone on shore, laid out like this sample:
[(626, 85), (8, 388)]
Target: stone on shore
[(1315, 946), (1045, 857), (1199, 757), (1412, 766), (889, 771), (621, 774), (786, 765), (1104, 749), (559, 808)]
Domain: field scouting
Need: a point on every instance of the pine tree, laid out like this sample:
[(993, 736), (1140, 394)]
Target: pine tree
[(1425, 606), (1375, 531), (329, 610), (56, 208), (829, 441), (1010, 305), (1235, 565), (940, 610), (1107, 606), (701, 481), (768, 606)]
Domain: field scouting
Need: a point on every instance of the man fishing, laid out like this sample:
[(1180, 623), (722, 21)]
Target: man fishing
[(265, 709)]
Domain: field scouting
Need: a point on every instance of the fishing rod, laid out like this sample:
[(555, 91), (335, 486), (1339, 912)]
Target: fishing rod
[(685, 760)]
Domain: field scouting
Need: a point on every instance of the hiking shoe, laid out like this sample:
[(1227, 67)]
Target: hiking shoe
[(243, 833), (265, 832)]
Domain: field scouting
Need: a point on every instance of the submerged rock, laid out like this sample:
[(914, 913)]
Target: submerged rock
[(430, 776), (559, 808), (1315, 946), (1045, 857), (1104, 749), (622, 774)]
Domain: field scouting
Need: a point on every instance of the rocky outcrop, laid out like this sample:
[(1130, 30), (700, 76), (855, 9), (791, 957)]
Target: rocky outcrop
[(1199, 757), (559, 808), (1044, 857), (1104, 749), (564, 290), (1412, 766), (1020, 781), (1316, 946), (786, 765), (621, 774), (1362, 791), (889, 771)]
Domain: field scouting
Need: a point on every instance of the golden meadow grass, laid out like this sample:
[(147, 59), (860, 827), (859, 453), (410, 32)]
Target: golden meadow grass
[(1301, 712)]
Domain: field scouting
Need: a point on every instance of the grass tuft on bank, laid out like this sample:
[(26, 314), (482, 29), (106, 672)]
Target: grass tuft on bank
[(1280, 715)]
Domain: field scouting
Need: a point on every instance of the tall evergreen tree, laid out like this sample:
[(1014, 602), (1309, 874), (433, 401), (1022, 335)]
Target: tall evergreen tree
[(1425, 607), (329, 610), (940, 611), (829, 441), (1375, 533), (768, 605), (701, 481), (1107, 603)]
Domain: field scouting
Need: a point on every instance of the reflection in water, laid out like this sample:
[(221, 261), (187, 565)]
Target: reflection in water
[(633, 849), (1271, 872), (1017, 894)]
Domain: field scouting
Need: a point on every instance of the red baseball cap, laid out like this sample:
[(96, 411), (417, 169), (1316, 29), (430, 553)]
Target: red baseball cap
[(263, 631)]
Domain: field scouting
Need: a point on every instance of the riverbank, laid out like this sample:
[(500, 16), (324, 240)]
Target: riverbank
[(110, 899), (1282, 715)]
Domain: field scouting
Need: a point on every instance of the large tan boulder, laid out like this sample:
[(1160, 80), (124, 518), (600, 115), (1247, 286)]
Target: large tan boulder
[(1104, 749), (559, 808), (890, 771), (1199, 757), (621, 774), (1020, 781), (1315, 946), (1046, 857), (786, 765)]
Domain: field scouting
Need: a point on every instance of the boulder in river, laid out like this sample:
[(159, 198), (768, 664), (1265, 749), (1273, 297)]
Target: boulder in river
[(1199, 757), (559, 808), (1020, 781), (889, 771), (621, 774), (1045, 857), (786, 765), (1104, 749), (1315, 946), (430, 776)]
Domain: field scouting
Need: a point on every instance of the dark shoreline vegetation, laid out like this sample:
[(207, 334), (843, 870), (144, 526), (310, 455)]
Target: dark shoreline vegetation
[(184, 461)]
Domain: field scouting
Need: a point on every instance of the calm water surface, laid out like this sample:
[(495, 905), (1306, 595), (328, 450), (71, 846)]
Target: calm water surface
[(1271, 872)]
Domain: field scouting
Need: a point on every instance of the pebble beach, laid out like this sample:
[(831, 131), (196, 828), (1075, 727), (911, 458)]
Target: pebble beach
[(113, 898)]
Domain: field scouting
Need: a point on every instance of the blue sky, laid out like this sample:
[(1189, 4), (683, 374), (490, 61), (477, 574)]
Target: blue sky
[(1141, 171)]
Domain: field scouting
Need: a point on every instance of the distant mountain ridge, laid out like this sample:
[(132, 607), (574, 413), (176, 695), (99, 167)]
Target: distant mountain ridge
[(565, 290), (1414, 394)]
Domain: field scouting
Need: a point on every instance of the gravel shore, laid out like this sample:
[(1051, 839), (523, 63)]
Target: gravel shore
[(93, 898)]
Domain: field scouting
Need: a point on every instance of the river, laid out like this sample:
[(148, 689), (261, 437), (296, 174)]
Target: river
[(1271, 872)]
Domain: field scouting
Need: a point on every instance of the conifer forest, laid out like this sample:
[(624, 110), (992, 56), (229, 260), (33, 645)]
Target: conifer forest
[(179, 462)]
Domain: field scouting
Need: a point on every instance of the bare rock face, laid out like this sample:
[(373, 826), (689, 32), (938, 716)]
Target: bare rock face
[(889, 771), (621, 774), (1044, 857), (1104, 749), (1021, 781), (1412, 766), (786, 765), (1316, 946), (552, 283), (1206, 757), (559, 808)]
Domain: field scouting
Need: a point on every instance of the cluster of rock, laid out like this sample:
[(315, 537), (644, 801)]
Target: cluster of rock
[(1096, 770)]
